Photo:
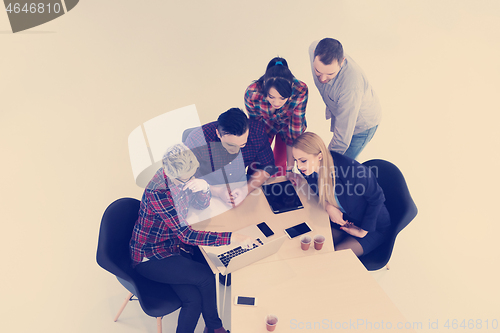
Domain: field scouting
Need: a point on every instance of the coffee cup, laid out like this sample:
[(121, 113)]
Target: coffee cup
[(271, 321), (305, 242), (318, 242)]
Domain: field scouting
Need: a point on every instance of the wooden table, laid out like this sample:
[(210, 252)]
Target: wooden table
[(310, 290), (326, 292), (255, 209)]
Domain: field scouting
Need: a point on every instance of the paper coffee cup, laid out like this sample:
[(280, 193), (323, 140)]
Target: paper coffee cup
[(271, 321), (305, 242), (318, 242)]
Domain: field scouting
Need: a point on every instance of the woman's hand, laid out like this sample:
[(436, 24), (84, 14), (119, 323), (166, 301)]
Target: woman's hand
[(294, 178), (353, 230), (335, 214), (196, 185)]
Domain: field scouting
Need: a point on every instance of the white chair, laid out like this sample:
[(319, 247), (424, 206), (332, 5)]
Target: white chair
[(147, 143)]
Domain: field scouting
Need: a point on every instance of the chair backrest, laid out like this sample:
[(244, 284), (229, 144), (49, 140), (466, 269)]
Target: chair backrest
[(186, 133), (114, 236), (399, 203), (147, 143), (156, 299)]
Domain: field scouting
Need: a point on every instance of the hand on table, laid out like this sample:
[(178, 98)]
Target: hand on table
[(238, 195), (353, 230), (230, 198), (221, 193)]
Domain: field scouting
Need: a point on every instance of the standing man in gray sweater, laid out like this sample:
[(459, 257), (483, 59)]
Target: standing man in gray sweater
[(351, 103)]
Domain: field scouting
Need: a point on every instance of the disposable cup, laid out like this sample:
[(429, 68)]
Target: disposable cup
[(318, 242), (305, 242), (271, 321)]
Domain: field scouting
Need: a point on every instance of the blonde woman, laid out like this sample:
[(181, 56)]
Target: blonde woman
[(349, 193)]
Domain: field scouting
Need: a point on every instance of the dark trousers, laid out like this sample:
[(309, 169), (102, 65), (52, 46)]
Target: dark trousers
[(193, 282)]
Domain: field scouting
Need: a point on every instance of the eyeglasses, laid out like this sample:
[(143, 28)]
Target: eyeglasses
[(185, 181)]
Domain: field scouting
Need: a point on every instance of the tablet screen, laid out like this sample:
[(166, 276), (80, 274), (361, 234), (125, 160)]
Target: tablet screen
[(282, 197)]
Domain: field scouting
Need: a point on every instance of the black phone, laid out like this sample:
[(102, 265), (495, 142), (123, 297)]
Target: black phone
[(298, 230), (244, 300), (265, 229)]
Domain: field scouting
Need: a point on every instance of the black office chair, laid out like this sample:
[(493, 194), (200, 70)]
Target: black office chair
[(156, 299), (400, 205)]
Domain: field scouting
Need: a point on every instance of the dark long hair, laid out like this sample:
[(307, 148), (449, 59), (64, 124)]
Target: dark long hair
[(277, 76)]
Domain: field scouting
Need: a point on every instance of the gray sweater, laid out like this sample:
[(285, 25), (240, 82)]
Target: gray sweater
[(351, 103)]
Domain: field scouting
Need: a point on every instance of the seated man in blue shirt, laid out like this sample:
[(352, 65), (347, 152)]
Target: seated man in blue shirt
[(230, 150)]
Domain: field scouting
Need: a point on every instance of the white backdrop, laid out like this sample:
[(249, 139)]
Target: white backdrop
[(73, 89)]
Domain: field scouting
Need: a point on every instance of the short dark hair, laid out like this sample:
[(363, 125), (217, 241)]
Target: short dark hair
[(277, 76), (234, 121), (329, 49)]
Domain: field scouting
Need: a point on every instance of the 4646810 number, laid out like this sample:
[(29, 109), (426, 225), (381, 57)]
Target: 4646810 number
[(34, 8), (471, 324)]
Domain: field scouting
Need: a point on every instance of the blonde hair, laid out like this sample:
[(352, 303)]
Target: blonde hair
[(179, 160), (311, 143)]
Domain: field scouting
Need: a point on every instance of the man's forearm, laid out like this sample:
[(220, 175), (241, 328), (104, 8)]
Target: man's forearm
[(218, 191)]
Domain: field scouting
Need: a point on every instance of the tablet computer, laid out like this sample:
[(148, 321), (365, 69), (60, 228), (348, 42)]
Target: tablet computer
[(282, 197)]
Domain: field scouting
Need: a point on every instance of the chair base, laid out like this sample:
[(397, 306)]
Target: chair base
[(128, 299), (158, 323)]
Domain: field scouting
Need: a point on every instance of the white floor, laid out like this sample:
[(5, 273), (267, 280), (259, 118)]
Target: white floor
[(73, 89), (133, 318)]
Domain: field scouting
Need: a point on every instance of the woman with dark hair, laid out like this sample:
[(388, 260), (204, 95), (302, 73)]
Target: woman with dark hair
[(349, 193), (279, 100)]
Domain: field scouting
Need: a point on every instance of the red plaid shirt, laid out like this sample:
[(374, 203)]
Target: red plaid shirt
[(162, 227), (289, 121)]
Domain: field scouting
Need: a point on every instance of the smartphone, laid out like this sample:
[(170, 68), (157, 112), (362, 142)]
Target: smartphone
[(245, 300), (265, 229), (298, 230)]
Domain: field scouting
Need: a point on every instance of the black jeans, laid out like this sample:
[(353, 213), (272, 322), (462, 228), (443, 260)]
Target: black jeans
[(193, 282)]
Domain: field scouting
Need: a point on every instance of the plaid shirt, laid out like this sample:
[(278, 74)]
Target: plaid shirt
[(207, 147), (289, 121), (161, 227)]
